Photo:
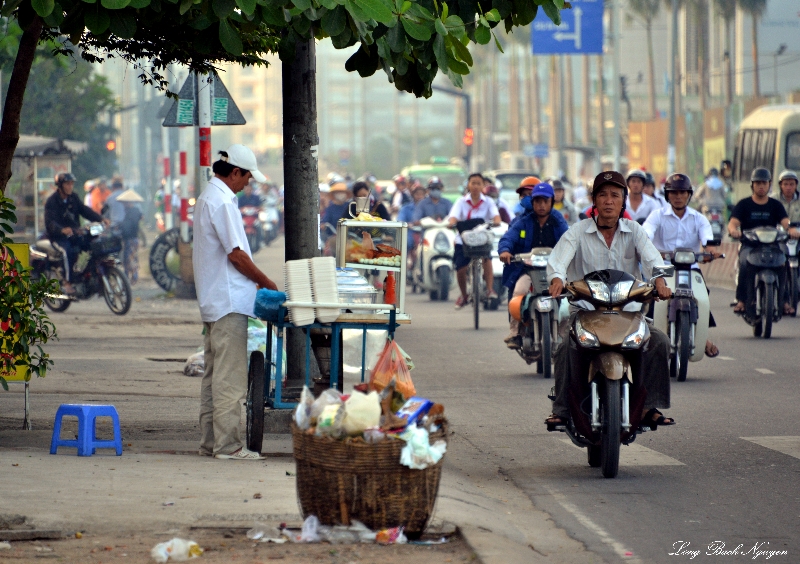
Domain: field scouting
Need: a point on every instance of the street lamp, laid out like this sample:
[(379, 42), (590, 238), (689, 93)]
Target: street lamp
[(781, 50)]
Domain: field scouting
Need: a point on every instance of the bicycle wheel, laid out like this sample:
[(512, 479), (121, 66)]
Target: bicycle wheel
[(476, 290)]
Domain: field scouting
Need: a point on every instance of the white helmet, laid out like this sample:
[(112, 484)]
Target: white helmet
[(788, 175)]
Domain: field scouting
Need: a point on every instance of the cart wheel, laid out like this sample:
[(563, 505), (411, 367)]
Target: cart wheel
[(255, 402)]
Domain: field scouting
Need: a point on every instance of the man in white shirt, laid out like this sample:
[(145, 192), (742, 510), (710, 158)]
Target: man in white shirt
[(473, 206), (226, 280), (608, 241), (679, 226), (639, 204)]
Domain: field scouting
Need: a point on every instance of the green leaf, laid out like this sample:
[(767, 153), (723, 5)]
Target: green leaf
[(97, 21), (456, 79), (420, 12), (343, 40), (334, 21), (405, 7), (377, 10), (559, 4), (552, 12), (384, 51), (201, 22), (355, 11), (301, 26), (123, 24), (526, 11), (114, 4), (440, 51), (445, 13), (330, 4), (56, 17), (482, 35), (273, 15), (492, 15), (302, 4), (223, 8), (396, 36), (43, 7), (365, 61), (229, 38), (415, 30), (460, 50), (439, 25), (455, 26), (139, 4), (246, 6), (497, 43), (186, 5), (3, 383)]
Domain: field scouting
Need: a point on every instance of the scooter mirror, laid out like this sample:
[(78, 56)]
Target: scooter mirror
[(662, 272)]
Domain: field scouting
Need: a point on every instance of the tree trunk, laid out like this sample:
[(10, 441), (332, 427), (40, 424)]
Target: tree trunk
[(756, 74), (651, 71), (9, 132), (301, 196)]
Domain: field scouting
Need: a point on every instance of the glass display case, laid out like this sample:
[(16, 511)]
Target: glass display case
[(375, 245)]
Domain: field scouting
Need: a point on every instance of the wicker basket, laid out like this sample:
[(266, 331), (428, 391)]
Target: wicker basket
[(481, 251), (343, 480)]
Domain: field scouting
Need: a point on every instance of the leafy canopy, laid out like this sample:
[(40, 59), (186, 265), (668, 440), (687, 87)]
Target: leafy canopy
[(410, 40)]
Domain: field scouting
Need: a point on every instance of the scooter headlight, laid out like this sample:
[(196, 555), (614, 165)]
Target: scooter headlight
[(441, 244), (585, 338), (599, 290), (262, 217), (620, 291), (636, 339), (766, 235), (539, 261), (684, 257)]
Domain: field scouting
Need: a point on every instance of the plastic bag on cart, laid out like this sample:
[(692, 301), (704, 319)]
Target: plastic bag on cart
[(392, 364), (326, 398), (256, 336), (302, 413), (361, 411)]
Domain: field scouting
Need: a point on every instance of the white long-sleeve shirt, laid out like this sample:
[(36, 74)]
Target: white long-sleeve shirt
[(669, 232)]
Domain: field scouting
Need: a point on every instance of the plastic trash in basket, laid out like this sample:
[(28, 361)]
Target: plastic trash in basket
[(268, 303)]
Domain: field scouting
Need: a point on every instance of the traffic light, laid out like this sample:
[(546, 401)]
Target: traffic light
[(111, 145), (469, 137)]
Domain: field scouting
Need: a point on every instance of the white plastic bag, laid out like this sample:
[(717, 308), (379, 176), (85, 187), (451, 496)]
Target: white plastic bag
[(310, 529), (361, 411), (326, 398), (195, 365), (302, 413), (418, 453), (176, 550)]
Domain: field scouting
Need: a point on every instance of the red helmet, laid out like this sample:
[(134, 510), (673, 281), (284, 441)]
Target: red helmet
[(491, 191)]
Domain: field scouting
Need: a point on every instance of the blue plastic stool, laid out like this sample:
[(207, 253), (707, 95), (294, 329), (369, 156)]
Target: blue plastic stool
[(87, 441)]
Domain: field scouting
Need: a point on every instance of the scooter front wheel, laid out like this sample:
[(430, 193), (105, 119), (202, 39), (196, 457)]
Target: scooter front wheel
[(610, 441), (684, 331)]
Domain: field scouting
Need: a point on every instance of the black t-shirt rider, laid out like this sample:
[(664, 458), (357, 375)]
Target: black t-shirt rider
[(752, 215)]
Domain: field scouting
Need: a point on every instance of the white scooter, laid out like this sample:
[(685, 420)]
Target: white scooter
[(497, 270), (685, 316), (433, 271)]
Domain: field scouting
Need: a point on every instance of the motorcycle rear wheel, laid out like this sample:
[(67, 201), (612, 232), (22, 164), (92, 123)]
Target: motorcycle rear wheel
[(476, 291), (547, 356), (793, 291), (254, 403), (684, 332), (610, 441), (117, 291), (443, 274)]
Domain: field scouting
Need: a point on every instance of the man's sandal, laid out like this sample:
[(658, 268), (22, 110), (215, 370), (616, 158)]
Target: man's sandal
[(554, 422), (713, 351), (648, 421)]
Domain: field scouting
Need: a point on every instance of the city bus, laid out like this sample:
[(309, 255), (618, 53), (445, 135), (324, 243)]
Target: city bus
[(453, 176), (768, 137)]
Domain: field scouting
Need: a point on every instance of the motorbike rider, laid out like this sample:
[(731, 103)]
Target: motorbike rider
[(249, 199), (540, 226), (639, 205), (525, 188), (788, 196), (506, 214), (472, 206), (62, 213), (402, 195), (604, 241), (650, 190), (711, 193), (758, 210), (562, 204), (376, 208), (680, 226), (433, 205)]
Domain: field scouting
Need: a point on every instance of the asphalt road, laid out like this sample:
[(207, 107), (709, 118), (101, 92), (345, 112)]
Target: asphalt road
[(727, 472)]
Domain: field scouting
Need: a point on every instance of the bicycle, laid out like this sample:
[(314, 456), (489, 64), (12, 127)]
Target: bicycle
[(478, 243)]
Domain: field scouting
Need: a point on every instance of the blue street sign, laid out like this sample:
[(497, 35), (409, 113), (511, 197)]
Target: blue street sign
[(538, 151), (580, 32)]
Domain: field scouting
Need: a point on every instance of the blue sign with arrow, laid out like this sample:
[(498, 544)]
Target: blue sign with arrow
[(580, 32)]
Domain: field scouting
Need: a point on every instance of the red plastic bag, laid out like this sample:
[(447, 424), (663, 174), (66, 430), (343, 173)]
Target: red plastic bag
[(392, 364)]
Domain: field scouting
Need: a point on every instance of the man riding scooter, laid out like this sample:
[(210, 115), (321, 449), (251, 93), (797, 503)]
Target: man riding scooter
[(679, 226), (539, 226)]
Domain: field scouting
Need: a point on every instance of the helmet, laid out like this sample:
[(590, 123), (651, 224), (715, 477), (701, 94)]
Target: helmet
[(761, 174), (636, 173), (491, 191), (528, 183), (63, 177), (713, 172), (435, 183), (678, 182), (788, 175), (555, 183), (650, 181), (400, 179)]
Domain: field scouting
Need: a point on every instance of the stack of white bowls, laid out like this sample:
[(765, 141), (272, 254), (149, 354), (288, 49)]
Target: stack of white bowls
[(326, 290), (297, 280)]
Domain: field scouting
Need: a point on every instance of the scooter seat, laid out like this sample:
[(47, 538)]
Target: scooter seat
[(46, 247)]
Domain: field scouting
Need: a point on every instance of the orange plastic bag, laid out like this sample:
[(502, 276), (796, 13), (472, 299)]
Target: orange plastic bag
[(392, 364)]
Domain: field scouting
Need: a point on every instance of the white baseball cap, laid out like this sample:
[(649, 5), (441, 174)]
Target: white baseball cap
[(242, 157)]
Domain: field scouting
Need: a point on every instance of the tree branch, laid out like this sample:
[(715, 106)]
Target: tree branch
[(9, 132)]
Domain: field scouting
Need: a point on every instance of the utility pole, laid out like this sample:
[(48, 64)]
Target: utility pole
[(673, 89), (616, 88)]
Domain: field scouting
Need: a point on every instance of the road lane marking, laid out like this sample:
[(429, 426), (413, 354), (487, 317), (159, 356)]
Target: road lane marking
[(725, 357), (581, 517), (786, 445), (638, 455), (764, 370)]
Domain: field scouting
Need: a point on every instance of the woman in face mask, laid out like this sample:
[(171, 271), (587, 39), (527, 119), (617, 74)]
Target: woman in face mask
[(340, 197)]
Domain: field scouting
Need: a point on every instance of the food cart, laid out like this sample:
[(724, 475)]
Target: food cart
[(359, 312)]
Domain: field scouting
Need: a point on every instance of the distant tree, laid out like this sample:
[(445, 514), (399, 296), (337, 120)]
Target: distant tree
[(726, 9), (647, 11), (756, 9)]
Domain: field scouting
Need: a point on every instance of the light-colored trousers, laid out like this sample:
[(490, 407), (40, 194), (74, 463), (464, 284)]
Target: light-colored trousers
[(224, 384)]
